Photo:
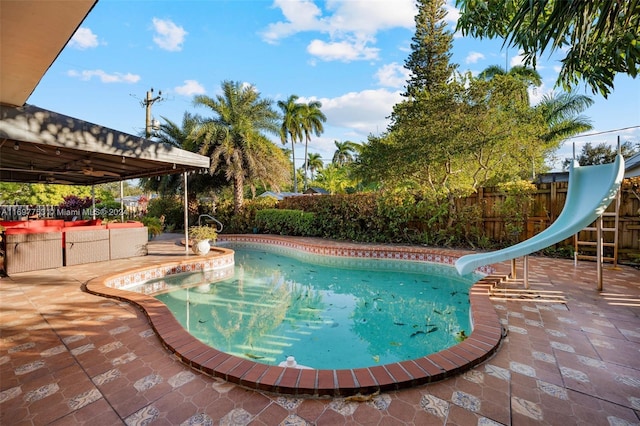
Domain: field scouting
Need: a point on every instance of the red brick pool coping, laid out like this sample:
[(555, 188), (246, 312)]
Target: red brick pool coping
[(479, 346)]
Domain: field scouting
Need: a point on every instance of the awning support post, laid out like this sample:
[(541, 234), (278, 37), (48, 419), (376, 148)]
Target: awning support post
[(122, 201), (93, 202), (186, 215)]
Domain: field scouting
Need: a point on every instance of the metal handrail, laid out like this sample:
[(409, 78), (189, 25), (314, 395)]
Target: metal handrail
[(218, 229)]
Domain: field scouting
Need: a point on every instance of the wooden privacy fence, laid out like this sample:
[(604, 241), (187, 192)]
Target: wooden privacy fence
[(547, 204)]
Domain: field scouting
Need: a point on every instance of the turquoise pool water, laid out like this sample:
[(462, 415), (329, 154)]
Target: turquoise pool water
[(327, 312)]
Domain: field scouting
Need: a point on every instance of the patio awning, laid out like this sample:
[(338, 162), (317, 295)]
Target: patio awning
[(32, 35), (37, 145), (41, 146)]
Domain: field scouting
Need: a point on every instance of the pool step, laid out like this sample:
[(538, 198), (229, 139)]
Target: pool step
[(509, 289)]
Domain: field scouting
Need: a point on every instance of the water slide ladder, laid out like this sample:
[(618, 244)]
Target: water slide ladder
[(599, 242), (591, 190)]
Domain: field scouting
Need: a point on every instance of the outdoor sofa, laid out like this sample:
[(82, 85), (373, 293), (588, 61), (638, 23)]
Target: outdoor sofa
[(52, 243)]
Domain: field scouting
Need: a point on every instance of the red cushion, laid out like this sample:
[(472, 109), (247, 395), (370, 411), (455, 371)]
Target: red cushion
[(82, 228), (70, 223), (40, 230), (125, 225), (36, 223), (84, 222), (14, 223), (53, 222)]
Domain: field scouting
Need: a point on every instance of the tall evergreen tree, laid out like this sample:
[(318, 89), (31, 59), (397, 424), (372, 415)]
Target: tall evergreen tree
[(431, 45)]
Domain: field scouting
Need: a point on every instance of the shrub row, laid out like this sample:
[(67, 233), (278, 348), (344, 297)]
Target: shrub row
[(285, 222), (391, 217)]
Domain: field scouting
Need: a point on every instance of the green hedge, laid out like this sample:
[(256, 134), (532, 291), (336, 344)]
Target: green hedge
[(286, 222), (381, 217)]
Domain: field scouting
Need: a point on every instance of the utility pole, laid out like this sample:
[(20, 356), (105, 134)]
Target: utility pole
[(150, 100)]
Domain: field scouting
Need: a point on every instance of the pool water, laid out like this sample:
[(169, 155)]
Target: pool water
[(327, 312)]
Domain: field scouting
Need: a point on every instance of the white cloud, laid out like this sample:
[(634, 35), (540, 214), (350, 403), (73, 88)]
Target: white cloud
[(300, 15), (453, 14), (350, 25), (369, 17), (474, 57), (169, 36), (536, 93), (104, 77), (341, 51), (83, 38), (190, 88), (392, 75), (517, 60), (363, 112)]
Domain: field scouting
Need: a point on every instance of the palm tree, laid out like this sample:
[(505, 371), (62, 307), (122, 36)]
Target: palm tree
[(527, 76), (334, 179), (179, 136), (561, 112), (314, 163), (311, 121), (345, 152), (291, 128), (233, 138)]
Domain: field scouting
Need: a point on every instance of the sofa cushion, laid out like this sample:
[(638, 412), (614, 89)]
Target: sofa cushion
[(116, 225), (14, 223), (39, 230), (36, 223), (53, 222), (83, 222), (82, 228)]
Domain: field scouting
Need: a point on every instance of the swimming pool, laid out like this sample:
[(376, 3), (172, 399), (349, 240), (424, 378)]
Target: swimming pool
[(129, 285), (328, 312)]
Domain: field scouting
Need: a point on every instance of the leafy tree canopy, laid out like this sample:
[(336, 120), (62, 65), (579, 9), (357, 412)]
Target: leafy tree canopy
[(601, 38), (473, 132), (602, 153), (46, 194)]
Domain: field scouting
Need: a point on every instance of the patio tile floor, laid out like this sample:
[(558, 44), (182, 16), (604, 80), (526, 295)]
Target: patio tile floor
[(69, 357)]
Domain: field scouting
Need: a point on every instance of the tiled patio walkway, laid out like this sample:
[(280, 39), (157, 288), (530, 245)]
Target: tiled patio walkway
[(68, 357)]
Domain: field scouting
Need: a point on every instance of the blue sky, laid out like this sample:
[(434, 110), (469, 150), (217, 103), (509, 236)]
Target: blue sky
[(348, 54)]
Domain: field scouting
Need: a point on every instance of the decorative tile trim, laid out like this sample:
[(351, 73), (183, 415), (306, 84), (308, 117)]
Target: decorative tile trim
[(217, 266), (367, 251), (478, 347)]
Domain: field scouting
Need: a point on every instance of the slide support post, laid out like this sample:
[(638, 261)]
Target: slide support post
[(599, 252), (513, 269), (526, 271)]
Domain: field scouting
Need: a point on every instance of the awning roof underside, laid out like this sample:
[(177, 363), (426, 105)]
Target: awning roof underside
[(40, 146)]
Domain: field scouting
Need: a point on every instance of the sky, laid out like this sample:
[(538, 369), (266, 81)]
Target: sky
[(347, 54)]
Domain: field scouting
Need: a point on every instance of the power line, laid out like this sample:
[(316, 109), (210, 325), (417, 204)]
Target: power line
[(604, 132)]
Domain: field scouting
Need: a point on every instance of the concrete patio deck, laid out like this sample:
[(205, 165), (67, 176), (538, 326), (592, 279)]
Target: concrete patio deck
[(69, 357)]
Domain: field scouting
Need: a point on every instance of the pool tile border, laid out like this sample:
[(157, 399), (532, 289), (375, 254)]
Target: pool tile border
[(481, 344)]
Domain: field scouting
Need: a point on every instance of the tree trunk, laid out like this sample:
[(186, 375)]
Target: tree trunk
[(293, 159), (306, 161), (238, 193)]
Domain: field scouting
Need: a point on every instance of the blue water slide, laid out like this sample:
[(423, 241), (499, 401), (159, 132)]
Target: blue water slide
[(591, 190)]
